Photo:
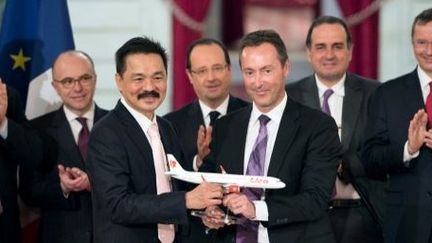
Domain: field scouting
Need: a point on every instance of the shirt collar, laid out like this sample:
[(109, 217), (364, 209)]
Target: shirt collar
[(338, 88), (222, 108), (275, 114), (70, 116), (142, 120), (424, 78)]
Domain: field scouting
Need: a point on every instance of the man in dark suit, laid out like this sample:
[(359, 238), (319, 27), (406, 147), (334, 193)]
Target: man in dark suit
[(356, 208), (277, 137), (60, 187), (399, 141), (208, 67), (19, 146), (133, 200)]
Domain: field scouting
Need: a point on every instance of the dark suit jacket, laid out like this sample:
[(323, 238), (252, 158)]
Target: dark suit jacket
[(354, 116), (21, 147), (125, 205), (408, 199), (305, 157), (62, 220), (186, 122)]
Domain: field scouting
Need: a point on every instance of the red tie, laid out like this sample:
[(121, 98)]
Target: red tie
[(83, 137), (429, 105)]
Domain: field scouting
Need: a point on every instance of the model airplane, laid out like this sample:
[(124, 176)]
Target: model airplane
[(231, 182)]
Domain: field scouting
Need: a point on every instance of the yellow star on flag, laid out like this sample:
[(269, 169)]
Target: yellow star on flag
[(19, 60)]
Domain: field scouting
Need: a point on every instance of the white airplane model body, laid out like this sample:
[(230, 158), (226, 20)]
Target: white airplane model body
[(227, 180)]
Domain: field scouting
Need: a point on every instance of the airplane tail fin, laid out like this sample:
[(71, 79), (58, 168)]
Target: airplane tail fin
[(174, 166)]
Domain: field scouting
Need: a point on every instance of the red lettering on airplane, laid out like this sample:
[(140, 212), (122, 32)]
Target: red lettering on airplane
[(258, 180)]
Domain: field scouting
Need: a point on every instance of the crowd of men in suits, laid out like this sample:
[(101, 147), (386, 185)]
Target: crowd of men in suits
[(355, 155)]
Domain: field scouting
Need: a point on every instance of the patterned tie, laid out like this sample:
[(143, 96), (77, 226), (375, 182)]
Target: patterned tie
[(213, 116), (325, 106), (247, 230), (429, 106), (166, 232), (83, 137)]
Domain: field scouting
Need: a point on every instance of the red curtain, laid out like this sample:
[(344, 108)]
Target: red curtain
[(365, 37), (183, 35)]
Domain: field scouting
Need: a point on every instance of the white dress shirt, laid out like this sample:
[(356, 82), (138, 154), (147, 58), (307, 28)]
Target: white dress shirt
[(75, 125), (222, 109), (275, 116)]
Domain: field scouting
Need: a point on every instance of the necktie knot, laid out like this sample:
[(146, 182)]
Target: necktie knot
[(263, 119), (213, 116), (82, 121)]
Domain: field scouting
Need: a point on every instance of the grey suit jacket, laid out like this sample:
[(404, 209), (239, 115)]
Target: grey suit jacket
[(354, 117)]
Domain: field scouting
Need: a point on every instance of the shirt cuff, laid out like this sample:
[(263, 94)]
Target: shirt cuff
[(407, 157), (4, 129), (261, 211)]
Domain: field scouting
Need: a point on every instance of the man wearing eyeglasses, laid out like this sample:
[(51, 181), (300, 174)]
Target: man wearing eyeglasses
[(399, 142), (208, 67), (60, 187)]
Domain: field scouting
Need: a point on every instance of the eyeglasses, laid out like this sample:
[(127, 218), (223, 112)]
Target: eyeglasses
[(203, 72), (69, 82), (422, 44)]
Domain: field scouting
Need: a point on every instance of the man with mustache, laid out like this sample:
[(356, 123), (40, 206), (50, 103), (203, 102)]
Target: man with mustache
[(208, 67), (134, 201)]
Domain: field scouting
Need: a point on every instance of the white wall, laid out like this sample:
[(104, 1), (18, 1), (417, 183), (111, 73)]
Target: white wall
[(396, 55), (100, 27)]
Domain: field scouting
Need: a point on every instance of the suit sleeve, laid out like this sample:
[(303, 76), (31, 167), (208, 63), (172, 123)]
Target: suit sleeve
[(109, 165), (22, 145), (322, 153), (380, 154)]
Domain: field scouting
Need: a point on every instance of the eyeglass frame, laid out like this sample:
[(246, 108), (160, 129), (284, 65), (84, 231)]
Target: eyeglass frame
[(204, 71), (70, 82)]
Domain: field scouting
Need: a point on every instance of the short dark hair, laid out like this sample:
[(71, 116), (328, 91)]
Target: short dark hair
[(138, 45), (327, 20), (259, 37), (423, 18), (206, 41)]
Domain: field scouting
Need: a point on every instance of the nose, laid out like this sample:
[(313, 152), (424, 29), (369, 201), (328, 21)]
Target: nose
[(429, 48), (77, 86), (329, 53), (148, 84)]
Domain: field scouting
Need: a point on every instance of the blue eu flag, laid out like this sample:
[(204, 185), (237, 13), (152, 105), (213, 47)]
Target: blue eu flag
[(33, 34)]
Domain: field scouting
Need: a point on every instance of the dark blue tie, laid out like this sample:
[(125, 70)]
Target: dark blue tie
[(247, 230)]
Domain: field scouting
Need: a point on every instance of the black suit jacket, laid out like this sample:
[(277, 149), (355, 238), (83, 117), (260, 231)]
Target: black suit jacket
[(21, 147), (354, 116), (126, 207), (66, 220), (186, 122), (305, 157), (408, 199)]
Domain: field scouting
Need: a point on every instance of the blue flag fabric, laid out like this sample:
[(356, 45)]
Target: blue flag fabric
[(33, 34)]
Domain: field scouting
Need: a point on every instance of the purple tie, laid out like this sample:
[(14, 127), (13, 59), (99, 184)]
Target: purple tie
[(325, 106), (247, 230), (83, 137)]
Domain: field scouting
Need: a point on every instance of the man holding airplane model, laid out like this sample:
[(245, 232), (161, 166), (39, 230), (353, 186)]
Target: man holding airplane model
[(276, 137)]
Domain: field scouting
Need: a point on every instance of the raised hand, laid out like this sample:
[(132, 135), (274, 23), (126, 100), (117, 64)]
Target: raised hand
[(3, 102), (417, 131), (203, 143)]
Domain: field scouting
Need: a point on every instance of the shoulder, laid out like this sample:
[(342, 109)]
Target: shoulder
[(300, 84), (46, 119), (238, 102), (182, 113)]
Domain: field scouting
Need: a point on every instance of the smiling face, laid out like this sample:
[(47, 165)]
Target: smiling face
[(143, 83), (329, 53), (264, 75), (209, 74), (422, 46), (76, 67)]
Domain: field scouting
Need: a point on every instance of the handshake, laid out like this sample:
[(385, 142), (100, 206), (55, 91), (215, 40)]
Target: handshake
[(211, 197)]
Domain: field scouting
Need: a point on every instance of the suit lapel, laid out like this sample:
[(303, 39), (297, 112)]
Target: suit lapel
[(286, 133), (350, 110), (413, 96), (136, 134), (310, 94), (65, 138)]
